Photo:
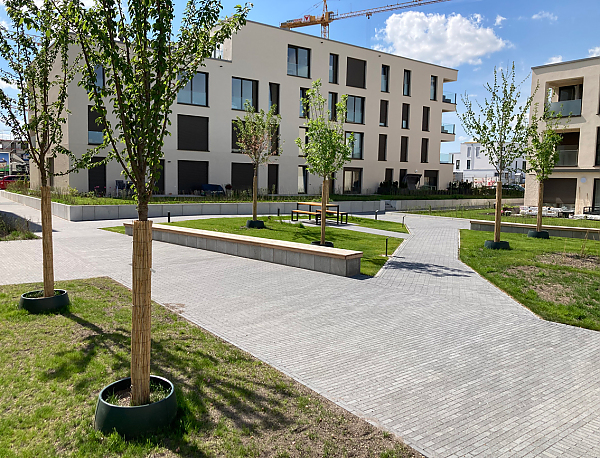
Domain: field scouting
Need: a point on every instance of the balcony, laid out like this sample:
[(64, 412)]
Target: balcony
[(566, 107), (567, 156), (448, 129), (449, 97)]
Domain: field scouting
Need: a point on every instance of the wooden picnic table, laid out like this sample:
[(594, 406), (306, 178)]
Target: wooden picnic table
[(318, 205)]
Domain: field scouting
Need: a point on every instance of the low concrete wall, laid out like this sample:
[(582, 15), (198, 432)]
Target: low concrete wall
[(328, 260), (445, 204), (554, 231)]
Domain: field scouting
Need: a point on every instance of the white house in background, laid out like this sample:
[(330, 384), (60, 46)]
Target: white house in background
[(472, 164)]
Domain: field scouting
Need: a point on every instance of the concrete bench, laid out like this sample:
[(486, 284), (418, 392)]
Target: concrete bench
[(554, 231), (322, 259)]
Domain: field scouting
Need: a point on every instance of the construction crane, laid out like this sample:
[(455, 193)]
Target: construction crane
[(329, 16)]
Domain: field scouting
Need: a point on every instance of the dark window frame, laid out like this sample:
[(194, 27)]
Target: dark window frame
[(404, 142), (334, 68), (353, 74), (361, 136), (274, 88), (406, 115), (296, 48), (382, 148), (424, 150), (181, 139), (384, 113), (362, 111), (360, 177), (305, 178), (406, 84), (94, 126), (191, 89), (433, 89), (304, 109), (385, 78), (332, 100), (426, 119), (254, 100)]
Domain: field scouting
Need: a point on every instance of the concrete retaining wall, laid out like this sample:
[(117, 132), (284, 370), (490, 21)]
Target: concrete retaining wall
[(554, 231), (446, 204), (328, 260)]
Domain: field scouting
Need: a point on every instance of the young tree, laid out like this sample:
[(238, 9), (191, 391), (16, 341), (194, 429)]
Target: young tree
[(542, 154), (35, 50), (145, 65), (258, 138), (327, 149), (500, 125)]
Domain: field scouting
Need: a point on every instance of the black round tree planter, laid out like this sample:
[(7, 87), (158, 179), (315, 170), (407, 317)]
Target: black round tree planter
[(496, 245), (132, 421), (44, 304), (538, 234), (258, 224), (326, 244)]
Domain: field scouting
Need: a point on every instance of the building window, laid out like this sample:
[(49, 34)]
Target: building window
[(352, 181), (357, 151), (405, 115), (302, 179), (242, 176), (425, 125), (382, 152), (195, 91), (403, 149), (469, 151), (433, 89), (389, 175), (597, 147), (303, 133), (304, 106), (273, 178), (431, 178), (274, 96), (192, 133), (383, 113), (355, 107), (406, 87), (191, 175), (477, 151), (385, 78), (458, 164), (99, 71), (402, 176), (331, 104), (275, 142), (468, 164), (333, 68), (424, 150), (235, 148), (298, 63), (243, 90), (95, 128), (356, 73)]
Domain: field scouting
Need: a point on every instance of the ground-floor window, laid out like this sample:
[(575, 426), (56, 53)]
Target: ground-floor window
[(273, 179), (191, 175), (242, 176), (560, 192), (431, 178), (302, 179), (97, 177), (352, 181)]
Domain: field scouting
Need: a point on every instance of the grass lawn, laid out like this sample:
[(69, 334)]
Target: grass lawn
[(372, 246), (53, 366), (488, 215), (370, 223), (557, 279)]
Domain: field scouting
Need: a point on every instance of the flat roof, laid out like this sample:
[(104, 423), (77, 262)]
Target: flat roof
[(566, 62)]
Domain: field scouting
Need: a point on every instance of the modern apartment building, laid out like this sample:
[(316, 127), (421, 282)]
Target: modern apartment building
[(575, 91), (395, 108), (472, 164)]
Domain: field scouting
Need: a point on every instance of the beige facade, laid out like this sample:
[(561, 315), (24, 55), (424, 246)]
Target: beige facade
[(260, 53), (575, 90)]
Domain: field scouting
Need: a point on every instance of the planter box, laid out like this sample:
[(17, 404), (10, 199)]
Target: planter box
[(553, 231)]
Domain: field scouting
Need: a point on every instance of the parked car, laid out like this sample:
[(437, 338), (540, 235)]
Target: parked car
[(5, 181), (212, 190), (513, 187)]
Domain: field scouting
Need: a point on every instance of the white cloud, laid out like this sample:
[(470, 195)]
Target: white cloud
[(463, 138), (499, 20), (594, 52), (446, 40), (545, 15), (554, 60), (5, 85)]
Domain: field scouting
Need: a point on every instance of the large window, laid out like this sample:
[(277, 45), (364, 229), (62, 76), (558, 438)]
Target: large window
[(195, 91), (192, 133), (352, 181), (273, 179), (274, 96), (433, 89), (597, 147), (402, 175), (95, 128), (191, 175), (355, 107), (382, 151), (389, 175), (426, 112), (468, 164), (406, 86), (304, 106), (424, 150), (99, 70), (383, 113), (302, 179), (242, 90), (97, 177), (333, 68), (403, 149), (242, 176), (356, 73), (298, 61), (303, 133), (405, 115), (331, 105), (235, 148), (357, 151), (385, 78)]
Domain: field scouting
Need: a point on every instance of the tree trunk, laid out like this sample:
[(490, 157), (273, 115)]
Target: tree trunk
[(255, 193), (324, 191), (498, 219), (141, 314), (47, 253), (540, 205)]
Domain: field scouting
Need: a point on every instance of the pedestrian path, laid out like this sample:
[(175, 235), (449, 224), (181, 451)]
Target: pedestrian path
[(427, 349)]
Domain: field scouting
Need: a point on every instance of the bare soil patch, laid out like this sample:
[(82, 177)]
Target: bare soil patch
[(571, 260)]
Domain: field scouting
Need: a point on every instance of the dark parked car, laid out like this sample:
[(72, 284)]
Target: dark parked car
[(5, 181), (513, 187), (212, 190)]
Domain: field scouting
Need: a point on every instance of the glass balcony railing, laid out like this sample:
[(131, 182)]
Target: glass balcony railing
[(448, 129), (567, 156), (449, 97), (566, 107)]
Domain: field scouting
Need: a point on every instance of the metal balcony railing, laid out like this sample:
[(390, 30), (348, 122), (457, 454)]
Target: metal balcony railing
[(566, 107), (448, 129), (449, 97), (567, 156)]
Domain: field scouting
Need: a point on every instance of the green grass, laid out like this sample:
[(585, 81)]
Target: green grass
[(17, 235), (117, 229), (372, 246), (52, 367), (557, 279), (378, 224), (487, 214)]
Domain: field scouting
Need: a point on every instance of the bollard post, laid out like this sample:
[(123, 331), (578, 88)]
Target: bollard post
[(376, 212), (278, 211), (386, 246), (168, 217)]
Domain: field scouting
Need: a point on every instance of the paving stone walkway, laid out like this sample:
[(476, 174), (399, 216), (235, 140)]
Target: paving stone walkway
[(427, 349)]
